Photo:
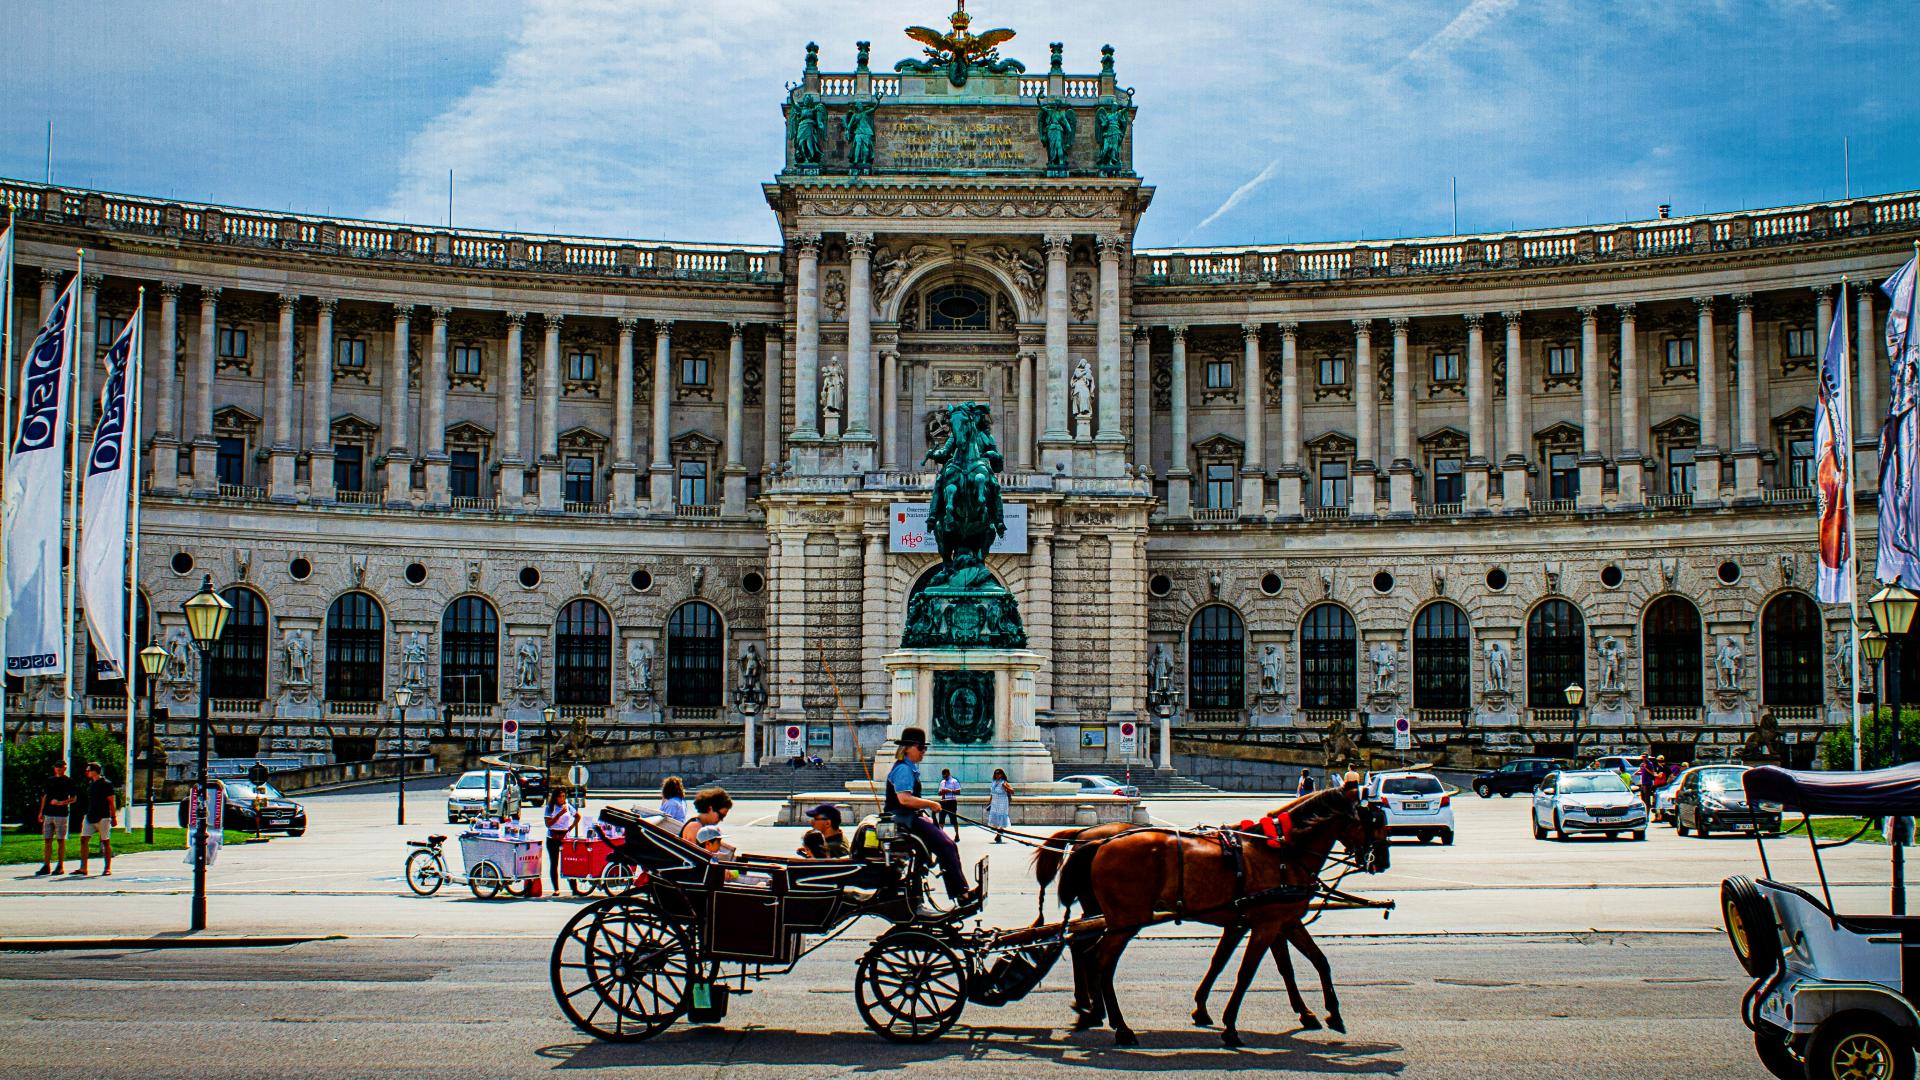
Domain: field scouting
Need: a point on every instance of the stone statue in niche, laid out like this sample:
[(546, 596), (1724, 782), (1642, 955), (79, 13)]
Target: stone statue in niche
[(939, 427), (750, 669), (1080, 296), (526, 657), (1162, 669), (413, 662), (1843, 660), (833, 385), (180, 669), (833, 297), (1271, 676), (299, 656), (1728, 662), (1385, 659), (1497, 667), (1612, 660), (1081, 392), (639, 668)]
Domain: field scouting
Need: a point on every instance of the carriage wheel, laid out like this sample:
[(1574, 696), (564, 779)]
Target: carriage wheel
[(910, 987), (423, 873), (485, 880), (616, 878), (621, 973)]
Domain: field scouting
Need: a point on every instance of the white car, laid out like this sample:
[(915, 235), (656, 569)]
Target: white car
[(471, 796), (1417, 804), (1095, 784), (1589, 801)]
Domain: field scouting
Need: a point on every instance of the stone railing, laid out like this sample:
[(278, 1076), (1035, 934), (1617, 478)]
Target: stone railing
[(386, 242), (1205, 515), (837, 86), (1677, 501), (1896, 213), (1788, 495)]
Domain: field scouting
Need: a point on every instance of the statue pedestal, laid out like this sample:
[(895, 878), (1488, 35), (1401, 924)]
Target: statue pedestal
[(977, 706)]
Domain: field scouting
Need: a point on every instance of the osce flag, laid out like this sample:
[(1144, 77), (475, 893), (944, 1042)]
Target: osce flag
[(36, 638), (1899, 552), (1833, 468), (103, 509)]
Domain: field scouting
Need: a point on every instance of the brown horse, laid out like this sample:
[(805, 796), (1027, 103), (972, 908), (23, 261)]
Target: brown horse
[(1136, 876)]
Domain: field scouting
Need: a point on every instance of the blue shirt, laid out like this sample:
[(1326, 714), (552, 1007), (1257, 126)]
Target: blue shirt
[(904, 778)]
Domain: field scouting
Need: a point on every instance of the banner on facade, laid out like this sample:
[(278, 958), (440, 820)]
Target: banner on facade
[(907, 530), (36, 638), (103, 510), (1899, 549)]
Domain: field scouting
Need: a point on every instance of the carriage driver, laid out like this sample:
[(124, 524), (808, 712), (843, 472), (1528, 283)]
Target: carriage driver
[(904, 803)]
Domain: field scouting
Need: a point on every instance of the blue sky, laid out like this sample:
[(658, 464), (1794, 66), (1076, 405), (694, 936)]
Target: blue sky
[(1260, 122)]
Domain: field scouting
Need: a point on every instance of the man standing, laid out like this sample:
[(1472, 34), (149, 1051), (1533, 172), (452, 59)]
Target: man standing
[(949, 802), (98, 821), (55, 799), (905, 802)]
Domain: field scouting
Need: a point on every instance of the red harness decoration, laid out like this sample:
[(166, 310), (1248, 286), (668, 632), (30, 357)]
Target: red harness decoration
[(1276, 827)]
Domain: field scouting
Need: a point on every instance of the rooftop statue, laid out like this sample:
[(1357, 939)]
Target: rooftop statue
[(959, 51), (962, 605)]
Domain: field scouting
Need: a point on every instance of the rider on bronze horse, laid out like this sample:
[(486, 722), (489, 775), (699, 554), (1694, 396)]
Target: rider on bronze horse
[(965, 513)]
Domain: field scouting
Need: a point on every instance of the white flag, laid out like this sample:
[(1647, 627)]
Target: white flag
[(103, 510), (36, 638)]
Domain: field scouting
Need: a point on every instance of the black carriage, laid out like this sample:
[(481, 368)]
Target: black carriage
[(694, 929)]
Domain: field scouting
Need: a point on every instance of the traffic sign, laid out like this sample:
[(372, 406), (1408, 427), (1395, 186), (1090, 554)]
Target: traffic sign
[(509, 736), (577, 776), (792, 738), (1402, 733), (1129, 737)]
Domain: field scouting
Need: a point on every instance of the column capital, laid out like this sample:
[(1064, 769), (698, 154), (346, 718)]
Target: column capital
[(1290, 331), (287, 302), (1589, 314), (859, 244), (170, 290), (553, 320), (50, 275), (441, 314), (663, 328), (1512, 317), (1401, 324), (516, 319), (1142, 333), (1628, 310), (1111, 247), (1474, 320), (92, 280), (402, 313), (1864, 290), (736, 331), (1057, 244), (773, 331), (1743, 301), (807, 244), (326, 304), (1179, 331), (1250, 331), (1823, 292), (627, 324), (209, 294), (1363, 326), (1703, 305)]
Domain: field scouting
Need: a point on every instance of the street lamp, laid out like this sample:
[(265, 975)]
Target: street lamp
[(1893, 609), (548, 715), (1575, 695), (402, 698), (1873, 648), (153, 661), (207, 616)]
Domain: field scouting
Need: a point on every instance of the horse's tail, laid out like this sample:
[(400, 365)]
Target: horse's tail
[(1047, 859), (1076, 879)]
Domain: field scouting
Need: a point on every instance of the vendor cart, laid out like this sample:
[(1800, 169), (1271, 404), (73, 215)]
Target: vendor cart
[(584, 863), (492, 864)]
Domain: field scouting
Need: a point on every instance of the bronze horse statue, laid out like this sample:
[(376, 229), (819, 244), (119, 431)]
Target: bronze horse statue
[(965, 514)]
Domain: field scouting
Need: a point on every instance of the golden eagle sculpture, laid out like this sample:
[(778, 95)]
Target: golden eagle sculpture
[(960, 51)]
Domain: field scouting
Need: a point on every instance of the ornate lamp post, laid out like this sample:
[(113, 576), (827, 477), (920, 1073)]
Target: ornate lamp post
[(207, 616), (548, 715), (1576, 694), (1873, 648), (153, 661), (1163, 696), (402, 698), (1893, 609)]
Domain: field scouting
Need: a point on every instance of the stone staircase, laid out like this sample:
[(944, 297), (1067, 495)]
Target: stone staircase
[(781, 780)]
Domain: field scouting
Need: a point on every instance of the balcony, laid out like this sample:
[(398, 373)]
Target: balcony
[(1216, 716), (1552, 717), (1437, 718), (1679, 501), (584, 507), (708, 511), (1551, 506), (1327, 513), (353, 708), (242, 493), (1794, 714), (1214, 515), (1673, 714), (238, 707), (476, 504), (1440, 510), (358, 498), (1788, 496)]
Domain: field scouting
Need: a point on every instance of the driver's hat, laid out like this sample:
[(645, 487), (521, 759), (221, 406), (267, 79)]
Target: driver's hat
[(914, 736)]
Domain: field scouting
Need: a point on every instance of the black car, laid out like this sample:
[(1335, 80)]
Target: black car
[(1714, 798), (1514, 777), (533, 784), (278, 814)]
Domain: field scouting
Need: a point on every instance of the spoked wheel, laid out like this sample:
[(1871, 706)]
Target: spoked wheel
[(910, 987), (616, 878), (423, 873), (620, 972), (485, 880)]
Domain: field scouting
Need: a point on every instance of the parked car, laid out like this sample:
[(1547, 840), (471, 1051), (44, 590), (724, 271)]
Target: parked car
[(1523, 774), (278, 814), (1095, 784), (1417, 804), (1663, 797), (472, 795), (1587, 800), (533, 783), (1618, 763), (1711, 797)]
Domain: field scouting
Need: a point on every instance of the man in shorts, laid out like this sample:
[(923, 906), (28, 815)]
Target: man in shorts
[(98, 820), (55, 799)]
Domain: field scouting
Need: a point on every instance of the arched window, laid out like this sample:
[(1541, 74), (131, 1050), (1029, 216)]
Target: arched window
[(1442, 657), (1556, 653), (1329, 659), (583, 655), (1790, 661), (1670, 654), (237, 664), (695, 661), (356, 649), (1216, 660), (959, 307), (469, 652), (142, 637)]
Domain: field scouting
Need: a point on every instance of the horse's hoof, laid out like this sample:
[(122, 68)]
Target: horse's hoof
[(1124, 1037), (1231, 1040), (1309, 1022), (1337, 1024), (1085, 1022), (1201, 1019)]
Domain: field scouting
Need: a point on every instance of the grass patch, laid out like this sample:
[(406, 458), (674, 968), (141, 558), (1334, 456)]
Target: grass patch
[(1833, 828), (20, 847)]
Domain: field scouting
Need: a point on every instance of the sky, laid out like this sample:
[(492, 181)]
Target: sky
[(1260, 122)]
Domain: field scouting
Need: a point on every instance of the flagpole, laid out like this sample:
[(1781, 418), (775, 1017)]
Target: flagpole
[(73, 511), (6, 468), (130, 460), (1853, 541)]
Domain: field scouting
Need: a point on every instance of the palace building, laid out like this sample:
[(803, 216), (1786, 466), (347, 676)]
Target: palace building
[(1263, 495)]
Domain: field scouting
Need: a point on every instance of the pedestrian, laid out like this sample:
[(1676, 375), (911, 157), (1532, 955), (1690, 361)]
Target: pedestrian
[(560, 818), (823, 838), (99, 799), (905, 803), (1649, 776), (1306, 783), (949, 801), (673, 800), (999, 805), (55, 799)]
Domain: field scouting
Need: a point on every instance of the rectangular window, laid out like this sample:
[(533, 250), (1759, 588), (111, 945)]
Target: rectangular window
[(1800, 342), (466, 360), (1333, 371), (1219, 374), (233, 342), (1680, 354), (693, 371), (693, 483), (1446, 367), (107, 330), (1220, 486), (1333, 483), (1563, 360), (579, 480), (230, 466), (1680, 470), (350, 354), (348, 462), (1563, 476), (1449, 486), (582, 366), (463, 474), (1800, 462)]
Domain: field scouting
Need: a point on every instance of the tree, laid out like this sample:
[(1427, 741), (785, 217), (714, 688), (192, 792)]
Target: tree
[(1876, 739), (30, 763)]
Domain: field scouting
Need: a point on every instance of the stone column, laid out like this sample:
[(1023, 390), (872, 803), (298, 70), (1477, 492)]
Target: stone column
[(1179, 476), (876, 622), (660, 470), (890, 410), (1366, 412), (1290, 473), (859, 348), (1023, 453), (1037, 609), (433, 439), (1706, 358), (1629, 459), (1253, 472), (86, 406), (1400, 495), (1107, 427), (1746, 444), (165, 420), (1868, 415), (770, 399), (1513, 465), (282, 451), (205, 450), (621, 477), (509, 405), (734, 471), (320, 405), (806, 340), (1479, 448), (1593, 444), (399, 461), (1056, 440), (552, 473), (1142, 401)]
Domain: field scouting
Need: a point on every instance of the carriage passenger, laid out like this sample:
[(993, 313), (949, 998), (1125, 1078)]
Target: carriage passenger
[(710, 808), (823, 839), (905, 802)]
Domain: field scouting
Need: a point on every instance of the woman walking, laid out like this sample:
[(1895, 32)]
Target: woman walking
[(999, 805), (560, 819)]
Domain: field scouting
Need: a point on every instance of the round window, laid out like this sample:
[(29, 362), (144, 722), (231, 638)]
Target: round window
[(1496, 579), (1383, 582), (1610, 576), (958, 306), (416, 573), (1270, 584), (300, 569), (642, 581), (529, 577), (182, 563), (753, 582), (1729, 572), (1160, 585)]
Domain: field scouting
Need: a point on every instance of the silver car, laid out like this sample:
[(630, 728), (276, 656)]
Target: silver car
[(1588, 801), (472, 795)]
